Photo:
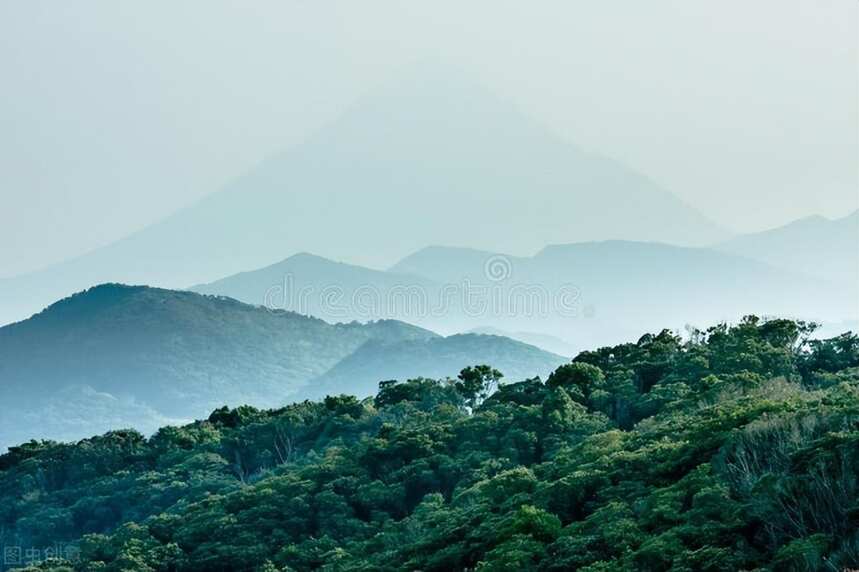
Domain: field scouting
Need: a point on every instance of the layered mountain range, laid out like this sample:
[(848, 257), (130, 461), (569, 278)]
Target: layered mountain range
[(421, 161), (566, 296), (430, 158)]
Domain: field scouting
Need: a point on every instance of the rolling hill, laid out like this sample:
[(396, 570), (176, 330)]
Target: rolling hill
[(429, 158), (116, 356)]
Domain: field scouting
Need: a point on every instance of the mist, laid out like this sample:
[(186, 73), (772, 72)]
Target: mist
[(115, 115), (298, 286)]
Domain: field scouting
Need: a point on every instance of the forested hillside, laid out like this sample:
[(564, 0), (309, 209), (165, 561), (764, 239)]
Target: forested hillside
[(737, 449), (120, 356), (147, 354), (178, 351)]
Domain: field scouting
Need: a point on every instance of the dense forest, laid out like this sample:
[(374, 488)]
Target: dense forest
[(731, 448)]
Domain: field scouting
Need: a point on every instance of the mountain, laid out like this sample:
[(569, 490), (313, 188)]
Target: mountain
[(165, 354), (360, 373), (729, 451), (330, 290), (816, 246), (430, 158), (599, 292), (115, 356), (564, 298), (544, 341), (452, 264)]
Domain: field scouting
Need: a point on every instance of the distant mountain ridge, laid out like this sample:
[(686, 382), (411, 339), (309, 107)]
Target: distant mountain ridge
[(580, 294), (549, 343), (428, 158), (360, 372), (645, 285), (815, 245), (120, 356), (320, 287)]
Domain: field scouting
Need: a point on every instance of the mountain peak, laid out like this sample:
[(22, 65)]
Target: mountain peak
[(435, 79), (814, 245), (307, 258), (433, 154)]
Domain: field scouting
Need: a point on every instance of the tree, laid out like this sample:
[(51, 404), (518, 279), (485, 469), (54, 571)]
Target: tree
[(700, 455), (477, 383), (579, 379)]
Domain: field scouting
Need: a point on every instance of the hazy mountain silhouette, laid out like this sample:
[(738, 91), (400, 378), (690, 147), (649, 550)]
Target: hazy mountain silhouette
[(361, 372), (615, 288), (333, 291), (430, 158), (451, 264), (815, 245), (549, 343), (135, 356), (581, 294)]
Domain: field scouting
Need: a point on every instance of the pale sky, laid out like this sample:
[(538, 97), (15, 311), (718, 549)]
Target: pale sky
[(114, 114)]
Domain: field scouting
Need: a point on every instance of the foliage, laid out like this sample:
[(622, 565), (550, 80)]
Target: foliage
[(735, 449)]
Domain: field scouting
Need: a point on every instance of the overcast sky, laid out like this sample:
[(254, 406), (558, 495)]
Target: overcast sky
[(114, 114)]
